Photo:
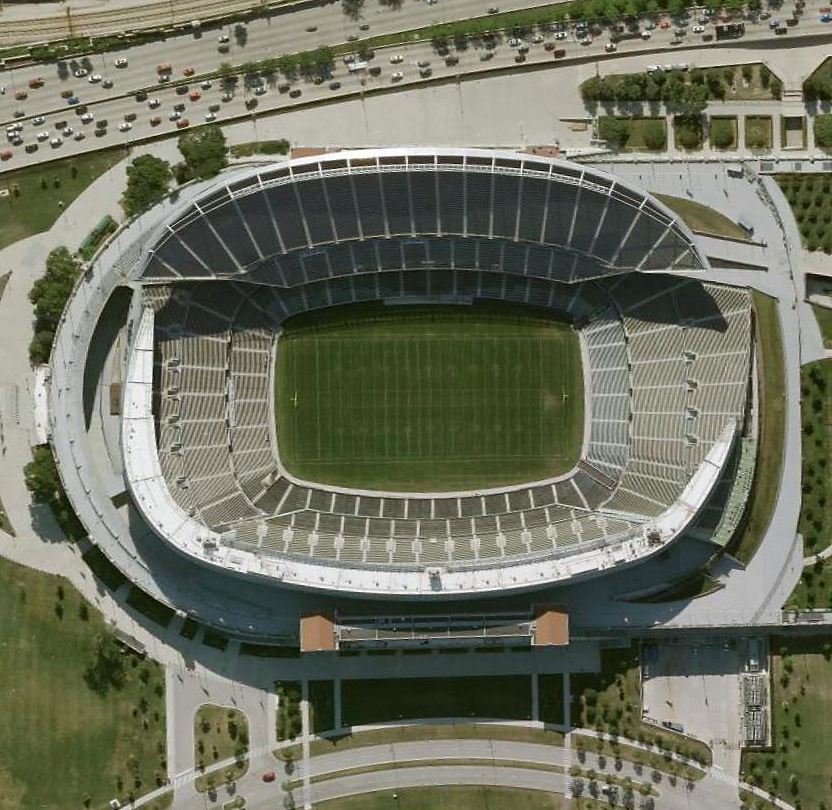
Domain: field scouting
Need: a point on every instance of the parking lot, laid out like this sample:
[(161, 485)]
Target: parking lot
[(696, 686)]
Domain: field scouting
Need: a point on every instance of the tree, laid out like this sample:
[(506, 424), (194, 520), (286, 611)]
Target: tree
[(51, 291), (204, 151), (147, 183), (722, 133), (823, 130), (41, 475), (689, 132), (107, 667), (655, 135), (615, 131)]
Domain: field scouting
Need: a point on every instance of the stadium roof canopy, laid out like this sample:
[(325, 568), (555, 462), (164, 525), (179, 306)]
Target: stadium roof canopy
[(299, 220)]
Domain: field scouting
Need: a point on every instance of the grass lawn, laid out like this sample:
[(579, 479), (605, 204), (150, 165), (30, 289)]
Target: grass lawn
[(36, 208), (101, 745), (751, 83), (219, 734), (758, 132), (428, 398), (801, 704), (321, 706), (772, 379), (424, 731), (550, 698), (421, 763), (810, 198), (699, 217), (824, 319), (610, 701), (449, 797), (383, 700)]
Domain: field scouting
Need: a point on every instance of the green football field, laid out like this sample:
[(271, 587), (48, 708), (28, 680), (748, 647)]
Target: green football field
[(428, 398)]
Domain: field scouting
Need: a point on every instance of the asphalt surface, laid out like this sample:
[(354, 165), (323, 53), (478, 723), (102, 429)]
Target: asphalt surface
[(285, 34)]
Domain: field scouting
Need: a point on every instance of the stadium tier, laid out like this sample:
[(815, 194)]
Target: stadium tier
[(666, 366)]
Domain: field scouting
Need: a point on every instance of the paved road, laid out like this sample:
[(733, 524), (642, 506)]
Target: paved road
[(288, 33), (714, 790)]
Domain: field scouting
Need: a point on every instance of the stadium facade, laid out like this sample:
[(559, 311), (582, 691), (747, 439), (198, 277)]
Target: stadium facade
[(666, 357)]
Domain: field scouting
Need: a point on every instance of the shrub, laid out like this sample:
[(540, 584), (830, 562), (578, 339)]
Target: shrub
[(722, 132), (823, 130)]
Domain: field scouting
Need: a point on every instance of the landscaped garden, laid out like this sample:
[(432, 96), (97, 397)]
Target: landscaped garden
[(83, 720), (687, 91), (758, 132), (633, 133), (810, 198), (220, 733), (688, 132), (797, 768), (723, 132)]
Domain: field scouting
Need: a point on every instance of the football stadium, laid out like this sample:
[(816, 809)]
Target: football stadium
[(402, 373)]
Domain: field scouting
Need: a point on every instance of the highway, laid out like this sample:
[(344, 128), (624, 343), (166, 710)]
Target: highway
[(113, 105)]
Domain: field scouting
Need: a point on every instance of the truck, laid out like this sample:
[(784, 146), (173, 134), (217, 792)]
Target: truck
[(356, 67), (732, 30)]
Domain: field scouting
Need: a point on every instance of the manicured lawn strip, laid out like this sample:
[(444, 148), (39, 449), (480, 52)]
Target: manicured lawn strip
[(758, 131), (36, 207), (449, 797), (381, 700), (162, 802), (219, 734), (610, 701), (420, 763), (289, 721), (407, 398), (98, 562), (772, 374), (103, 744), (321, 706), (550, 698), (150, 607), (5, 523), (799, 765), (810, 198), (279, 147), (824, 319), (703, 218), (426, 731), (645, 759)]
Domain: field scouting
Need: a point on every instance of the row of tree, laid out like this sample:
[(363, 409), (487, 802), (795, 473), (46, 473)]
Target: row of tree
[(306, 64)]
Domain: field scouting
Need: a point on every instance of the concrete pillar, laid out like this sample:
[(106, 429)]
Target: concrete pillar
[(535, 697), (567, 701), (336, 687)]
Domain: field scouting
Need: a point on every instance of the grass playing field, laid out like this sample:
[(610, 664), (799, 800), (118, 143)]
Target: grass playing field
[(428, 398)]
